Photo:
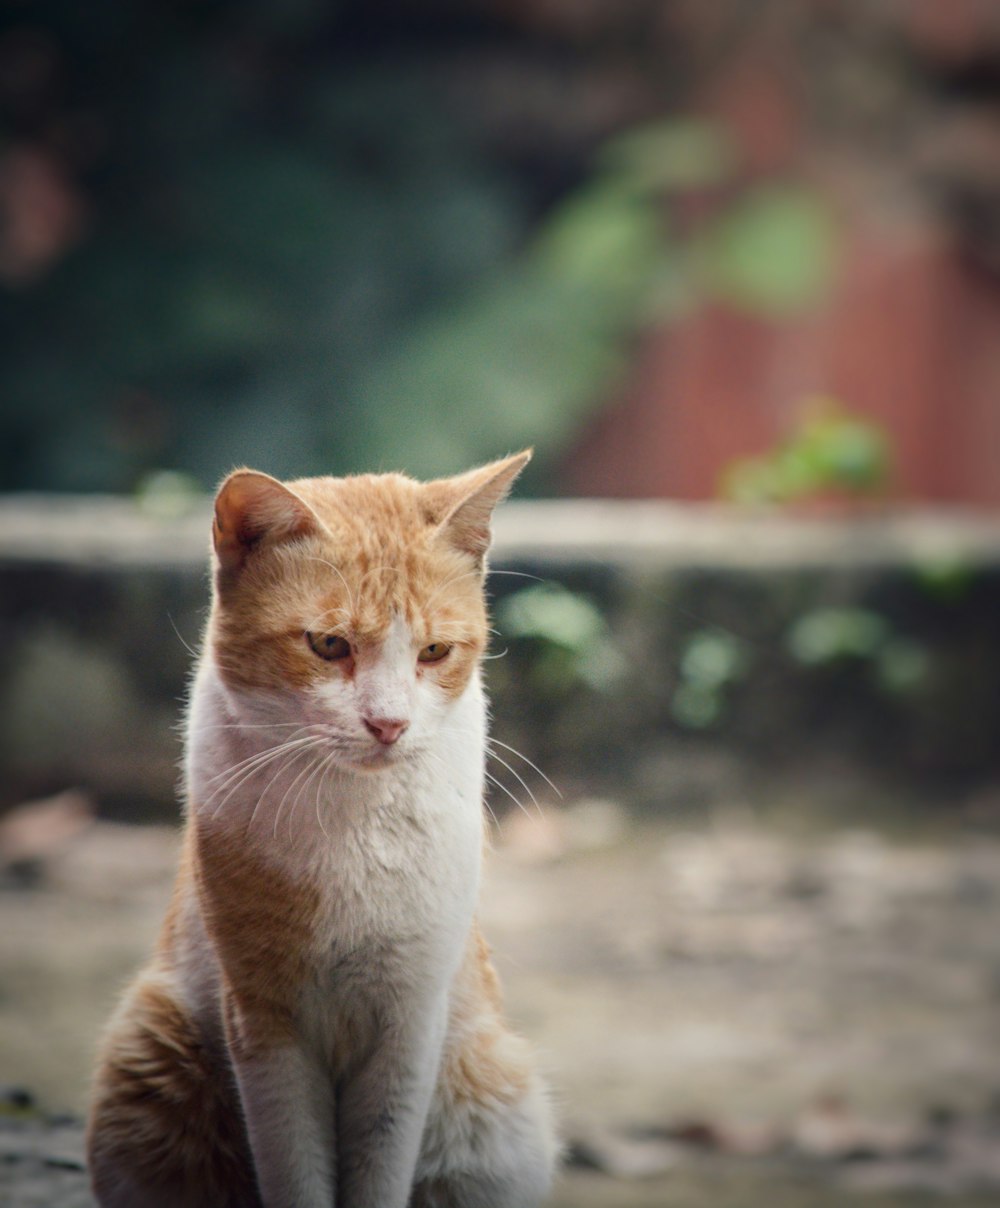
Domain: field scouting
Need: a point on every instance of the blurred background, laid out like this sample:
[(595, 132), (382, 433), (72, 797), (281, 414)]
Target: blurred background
[(643, 237), (733, 269)]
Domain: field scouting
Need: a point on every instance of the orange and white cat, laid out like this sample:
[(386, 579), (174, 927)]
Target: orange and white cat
[(320, 1023)]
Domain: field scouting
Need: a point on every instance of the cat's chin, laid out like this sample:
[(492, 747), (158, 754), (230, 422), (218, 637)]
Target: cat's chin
[(378, 759)]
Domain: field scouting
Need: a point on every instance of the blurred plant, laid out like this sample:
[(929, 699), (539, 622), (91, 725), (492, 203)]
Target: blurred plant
[(827, 636), (947, 577), (830, 451), (573, 644), (710, 661), (660, 226), (167, 494), (773, 252), (315, 269)]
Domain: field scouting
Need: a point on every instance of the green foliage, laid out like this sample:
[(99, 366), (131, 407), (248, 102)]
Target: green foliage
[(948, 576), (828, 634), (528, 349), (296, 255), (265, 231), (831, 636), (773, 252), (572, 645), (167, 494), (710, 661), (670, 156), (831, 450)]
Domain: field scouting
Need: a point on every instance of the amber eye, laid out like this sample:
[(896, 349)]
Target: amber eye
[(329, 645), (433, 653)]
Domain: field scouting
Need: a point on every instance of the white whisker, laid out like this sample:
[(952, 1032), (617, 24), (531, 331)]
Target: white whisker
[(534, 766), (284, 797), (340, 574), (520, 780), (237, 775), (500, 785)]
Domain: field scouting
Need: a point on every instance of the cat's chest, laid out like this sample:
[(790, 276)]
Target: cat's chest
[(394, 873)]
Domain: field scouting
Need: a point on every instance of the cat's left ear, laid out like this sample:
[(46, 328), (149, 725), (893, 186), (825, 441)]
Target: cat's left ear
[(462, 507), (253, 509)]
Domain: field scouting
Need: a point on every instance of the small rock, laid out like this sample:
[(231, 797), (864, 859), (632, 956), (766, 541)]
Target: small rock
[(15, 1100), (827, 1129), (33, 833), (535, 836), (624, 1157), (594, 824)]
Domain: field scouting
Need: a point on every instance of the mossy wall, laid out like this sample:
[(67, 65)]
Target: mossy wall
[(668, 656)]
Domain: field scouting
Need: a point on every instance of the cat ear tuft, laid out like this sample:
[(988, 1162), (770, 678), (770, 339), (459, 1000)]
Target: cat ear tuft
[(462, 507), (251, 508)]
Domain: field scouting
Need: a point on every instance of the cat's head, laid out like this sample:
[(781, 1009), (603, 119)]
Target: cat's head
[(353, 606)]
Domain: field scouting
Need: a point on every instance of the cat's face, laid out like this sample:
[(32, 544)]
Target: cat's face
[(353, 607)]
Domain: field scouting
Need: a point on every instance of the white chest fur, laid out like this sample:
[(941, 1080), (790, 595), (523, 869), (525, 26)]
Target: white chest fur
[(394, 851)]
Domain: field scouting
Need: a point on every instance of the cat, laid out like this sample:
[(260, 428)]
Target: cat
[(320, 1023)]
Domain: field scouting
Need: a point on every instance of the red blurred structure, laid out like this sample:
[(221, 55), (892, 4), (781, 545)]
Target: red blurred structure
[(909, 334), (910, 339)]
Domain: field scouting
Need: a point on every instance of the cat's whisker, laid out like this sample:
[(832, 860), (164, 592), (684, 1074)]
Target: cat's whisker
[(243, 772), (292, 784), (302, 779), (263, 725), (492, 741), (234, 786), (327, 767), (340, 574), (268, 752), (191, 651), (447, 767), (239, 772), (534, 766), (500, 785), (520, 574), (489, 809), (448, 583), (323, 618), (286, 767), (317, 770), (520, 780), (396, 570), (238, 783)]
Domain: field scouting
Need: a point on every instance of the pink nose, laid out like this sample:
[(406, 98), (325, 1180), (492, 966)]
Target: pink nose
[(386, 729)]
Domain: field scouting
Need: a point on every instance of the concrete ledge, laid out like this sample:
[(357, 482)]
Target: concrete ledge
[(710, 535), (91, 530)]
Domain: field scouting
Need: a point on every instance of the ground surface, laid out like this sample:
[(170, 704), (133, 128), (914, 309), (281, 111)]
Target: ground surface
[(736, 1013)]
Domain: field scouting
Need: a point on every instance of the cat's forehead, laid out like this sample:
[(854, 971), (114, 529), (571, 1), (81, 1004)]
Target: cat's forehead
[(379, 558), (387, 506)]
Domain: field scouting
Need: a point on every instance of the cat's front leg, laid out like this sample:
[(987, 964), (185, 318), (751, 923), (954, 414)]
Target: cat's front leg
[(287, 1101), (382, 1111)]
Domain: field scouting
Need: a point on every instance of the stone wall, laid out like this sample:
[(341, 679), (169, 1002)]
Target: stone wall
[(666, 655)]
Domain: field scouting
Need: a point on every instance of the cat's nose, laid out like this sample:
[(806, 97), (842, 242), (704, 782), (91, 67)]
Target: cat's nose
[(386, 729)]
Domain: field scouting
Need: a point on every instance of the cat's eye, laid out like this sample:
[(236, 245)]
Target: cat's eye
[(434, 652), (329, 646)]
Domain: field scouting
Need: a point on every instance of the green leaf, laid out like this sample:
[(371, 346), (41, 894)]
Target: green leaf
[(828, 634), (773, 252), (677, 154), (554, 614)]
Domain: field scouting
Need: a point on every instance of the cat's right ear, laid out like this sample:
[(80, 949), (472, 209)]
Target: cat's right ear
[(461, 507), (252, 509)]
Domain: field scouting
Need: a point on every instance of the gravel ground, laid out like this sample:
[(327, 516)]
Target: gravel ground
[(738, 1013)]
